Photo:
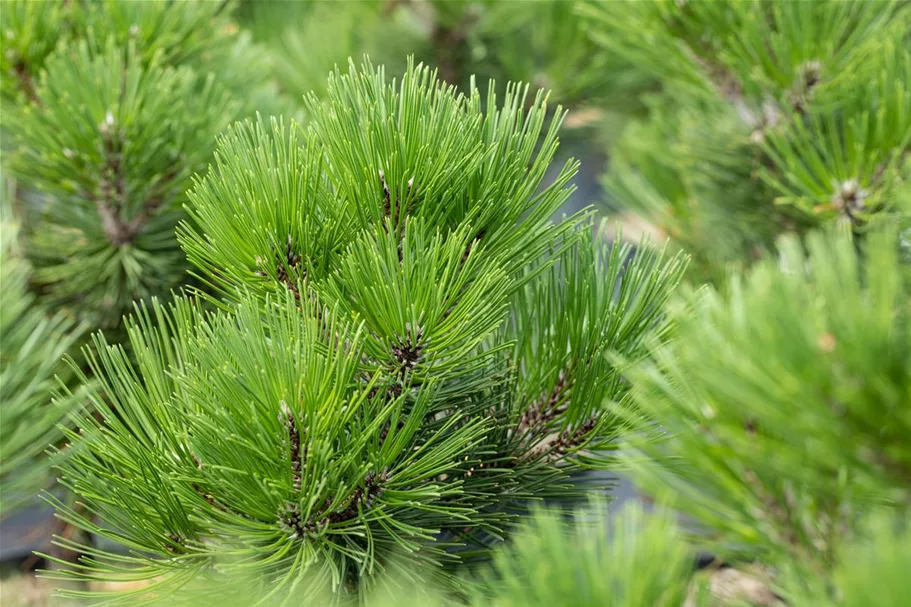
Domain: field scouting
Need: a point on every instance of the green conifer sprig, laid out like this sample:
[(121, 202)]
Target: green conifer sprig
[(588, 304), (699, 185), (358, 394), (196, 34), (748, 50), (31, 33), (765, 123), (377, 154), (191, 33), (778, 414), (636, 559), (471, 161), (427, 306), (112, 143), (306, 468), (849, 158)]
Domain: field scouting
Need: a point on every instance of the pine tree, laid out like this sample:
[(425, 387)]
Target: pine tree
[(110, 107), (33, 345), (114, 170), (405, 352), (772, 117), (777, 416), (389, 354)]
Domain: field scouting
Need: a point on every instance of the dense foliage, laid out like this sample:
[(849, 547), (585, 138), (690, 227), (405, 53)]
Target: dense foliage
[(383, 373), (361, 350), (771, 117), (540, 42), (109, 109), (778, 415), (34, 343)]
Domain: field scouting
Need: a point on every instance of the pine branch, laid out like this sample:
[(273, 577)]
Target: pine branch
[(377, 412), (294, 442), (114, 196), (773, 459), (110, 190), (548, 407), (25, 80), (784, 120), (571, 439), (408, 351), (206, 496)]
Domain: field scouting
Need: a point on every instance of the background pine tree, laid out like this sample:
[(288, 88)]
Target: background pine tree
[(114, 106), (34, 344), (770, 118), (777, 415)]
